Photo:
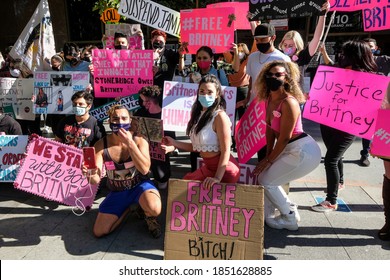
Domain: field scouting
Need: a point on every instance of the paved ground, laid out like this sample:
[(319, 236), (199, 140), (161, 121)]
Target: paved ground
[(32, 228)]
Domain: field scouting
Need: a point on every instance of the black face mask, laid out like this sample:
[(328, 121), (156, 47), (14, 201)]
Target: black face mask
[(273, 83), (263, 47), (158, 45), (121, 47)]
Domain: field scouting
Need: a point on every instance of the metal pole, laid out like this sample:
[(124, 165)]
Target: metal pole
[(326, 32)]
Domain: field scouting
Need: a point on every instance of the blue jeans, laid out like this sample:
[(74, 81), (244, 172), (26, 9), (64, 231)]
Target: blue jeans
[(337, 142)]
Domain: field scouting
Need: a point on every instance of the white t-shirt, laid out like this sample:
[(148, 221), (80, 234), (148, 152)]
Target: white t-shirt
[(256, 62)]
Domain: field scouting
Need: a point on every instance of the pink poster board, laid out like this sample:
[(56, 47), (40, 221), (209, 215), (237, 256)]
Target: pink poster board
[(250, 131), (380, 145), (53, 170), (355, 5), (346, 100), (207, 27), (241, 10), (121, 72)]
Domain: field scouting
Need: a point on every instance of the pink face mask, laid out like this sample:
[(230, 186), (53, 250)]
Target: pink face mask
[(204, 64)]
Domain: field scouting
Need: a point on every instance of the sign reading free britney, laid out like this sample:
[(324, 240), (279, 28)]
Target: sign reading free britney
[(346, 100), (223, 223), (53, 170), (121, 72)]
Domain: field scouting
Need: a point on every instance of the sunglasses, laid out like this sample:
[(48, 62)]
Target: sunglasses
[(277, 74)]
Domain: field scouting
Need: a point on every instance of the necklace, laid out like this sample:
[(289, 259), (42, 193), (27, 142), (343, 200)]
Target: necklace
[(264, 60)]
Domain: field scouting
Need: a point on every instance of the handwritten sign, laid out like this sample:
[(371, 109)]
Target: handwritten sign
[(130, 102), (223, 223), (18, 93), (250, 131), (152, 14), (240, 9), (121, 72), (12, 149), (156, 152), (53, 170), (130, 30), (380, 145), (53, 90), (178, 99), (271, 9), (346, 100), (110, 15), (207, 27)]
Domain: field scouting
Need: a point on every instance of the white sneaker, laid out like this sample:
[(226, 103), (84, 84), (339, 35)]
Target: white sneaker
[(287, 221), (294, 207)]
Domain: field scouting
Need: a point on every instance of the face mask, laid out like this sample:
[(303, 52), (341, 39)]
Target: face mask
[(79, 111), (158, 45), (206, 100), (289, 51), (116, 126), (121, 47), (241, 55), (204, 64), (273, 83), (263, 47), (376, 52)]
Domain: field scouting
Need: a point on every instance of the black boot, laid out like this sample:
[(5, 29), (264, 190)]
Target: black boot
[(384, 232)]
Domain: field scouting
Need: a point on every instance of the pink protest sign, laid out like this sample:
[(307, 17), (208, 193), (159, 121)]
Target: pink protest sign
[(53, 170), (376, 18), (121, 72), (355, 5), (380, 145), (213, 27), (250, 131), (346, 100), (240, 8)]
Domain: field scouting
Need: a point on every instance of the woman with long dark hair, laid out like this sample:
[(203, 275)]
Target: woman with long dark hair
[(355, 55)]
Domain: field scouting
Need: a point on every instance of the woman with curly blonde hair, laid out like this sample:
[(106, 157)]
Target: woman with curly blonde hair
[(291, 153)]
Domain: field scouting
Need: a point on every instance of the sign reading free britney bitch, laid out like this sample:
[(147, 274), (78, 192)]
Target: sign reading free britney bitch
[(223, 223)]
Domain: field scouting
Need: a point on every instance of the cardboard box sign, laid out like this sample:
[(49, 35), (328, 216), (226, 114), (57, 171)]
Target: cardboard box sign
[(224, 223)]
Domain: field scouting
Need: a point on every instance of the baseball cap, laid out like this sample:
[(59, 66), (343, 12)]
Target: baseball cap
[(264, 30)]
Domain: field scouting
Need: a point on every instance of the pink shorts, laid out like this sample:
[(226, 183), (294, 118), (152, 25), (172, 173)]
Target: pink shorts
[(209, 167)]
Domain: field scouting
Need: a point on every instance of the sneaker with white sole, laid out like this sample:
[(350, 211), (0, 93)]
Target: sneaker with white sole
[(294, 207), (324, 206), (287, 221)]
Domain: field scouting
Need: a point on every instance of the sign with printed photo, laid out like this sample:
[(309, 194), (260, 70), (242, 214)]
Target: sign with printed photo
[(53, 170), (222, 223), (121, 72), (12, 149), (151, 129), (132, 31), (213, 27), (53, 90)]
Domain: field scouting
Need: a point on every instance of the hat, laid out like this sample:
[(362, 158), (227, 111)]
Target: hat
[(264, 30), (119, 35)]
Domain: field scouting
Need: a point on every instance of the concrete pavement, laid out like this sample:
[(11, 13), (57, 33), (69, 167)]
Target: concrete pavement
[(32, 228)]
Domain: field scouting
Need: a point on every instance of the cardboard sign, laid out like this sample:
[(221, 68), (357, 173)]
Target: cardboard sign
[(178, 99), (223, 223), (12, 149), (240, 9), (346, 100), (156, 152), (18, 93), (151, 129), (53, 90), (250, 131), (380, 145), (152, 14), (121, 72), (211, 27), (130, 30), (130, 102), (271, 9), (53, 170)]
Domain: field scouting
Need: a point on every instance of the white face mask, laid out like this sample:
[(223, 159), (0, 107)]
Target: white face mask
[(241, 55), (79, 111)]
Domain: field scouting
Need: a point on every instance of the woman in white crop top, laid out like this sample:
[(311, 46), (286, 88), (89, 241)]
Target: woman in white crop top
[(210, 132)]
